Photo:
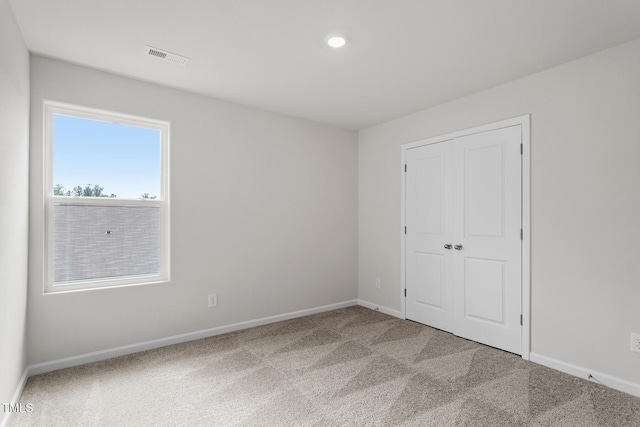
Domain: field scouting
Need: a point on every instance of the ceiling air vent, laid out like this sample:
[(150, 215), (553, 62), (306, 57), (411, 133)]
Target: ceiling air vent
[(166, 56)]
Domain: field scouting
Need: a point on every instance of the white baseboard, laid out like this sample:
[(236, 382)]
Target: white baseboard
[(381, 309), (587, 374), (96, 356), (16, 397)]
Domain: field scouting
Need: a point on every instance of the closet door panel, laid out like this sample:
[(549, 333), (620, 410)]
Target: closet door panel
[(487, 222), (428, 219)]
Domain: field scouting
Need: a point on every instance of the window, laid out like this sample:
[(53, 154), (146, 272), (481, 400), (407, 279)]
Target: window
[(106, 199)]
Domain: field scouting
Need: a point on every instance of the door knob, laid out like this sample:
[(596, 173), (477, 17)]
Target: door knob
[(458, 247), (448, 246)]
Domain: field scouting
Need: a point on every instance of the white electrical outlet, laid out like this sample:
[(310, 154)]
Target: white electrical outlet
[(635, 343), (213, 300), (378, 282)]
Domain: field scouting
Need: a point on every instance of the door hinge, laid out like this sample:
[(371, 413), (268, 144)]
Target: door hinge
[(405, 292), (521, 320), (521, 234), (521, 148), (405, 229), (405, 167)]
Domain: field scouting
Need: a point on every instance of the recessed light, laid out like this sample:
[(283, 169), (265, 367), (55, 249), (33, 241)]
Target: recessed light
[(336, 40)]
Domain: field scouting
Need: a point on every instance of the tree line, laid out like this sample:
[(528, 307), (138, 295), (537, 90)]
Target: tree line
[(88, 191)]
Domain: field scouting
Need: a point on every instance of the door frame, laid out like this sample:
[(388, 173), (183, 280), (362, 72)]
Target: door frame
[(523, 121)]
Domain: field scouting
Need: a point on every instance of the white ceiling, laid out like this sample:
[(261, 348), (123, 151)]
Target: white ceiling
[(402, 56)]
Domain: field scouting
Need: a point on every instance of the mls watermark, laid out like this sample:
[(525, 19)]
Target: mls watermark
[(17, 407)]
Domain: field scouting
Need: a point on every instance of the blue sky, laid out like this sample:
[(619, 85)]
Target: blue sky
[(123, 159)]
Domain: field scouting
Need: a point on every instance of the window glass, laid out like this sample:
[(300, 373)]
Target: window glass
[(101, 159), (98, 242)]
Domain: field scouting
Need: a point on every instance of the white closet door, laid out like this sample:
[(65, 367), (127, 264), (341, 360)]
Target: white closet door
[(487, 217), (429, 202), (466, 193)]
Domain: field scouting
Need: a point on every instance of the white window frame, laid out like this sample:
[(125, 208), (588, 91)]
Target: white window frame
[(50, 201)]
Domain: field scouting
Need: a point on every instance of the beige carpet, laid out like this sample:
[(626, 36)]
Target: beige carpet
[(349, 367)]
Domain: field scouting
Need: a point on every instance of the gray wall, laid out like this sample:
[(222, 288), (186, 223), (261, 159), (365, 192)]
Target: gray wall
[(263, 213), (585, 203), (14, 201)]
